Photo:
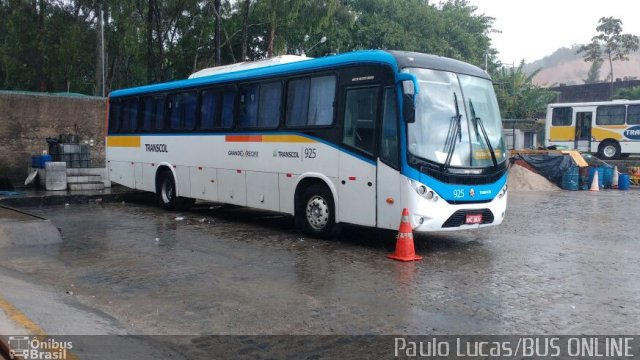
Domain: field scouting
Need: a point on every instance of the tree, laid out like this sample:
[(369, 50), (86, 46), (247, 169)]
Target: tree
[(628, 93), (54, 45), (593, 76), (518, 96), (609, 45)]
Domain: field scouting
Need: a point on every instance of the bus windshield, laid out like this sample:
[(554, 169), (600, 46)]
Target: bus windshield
[(457, 121)]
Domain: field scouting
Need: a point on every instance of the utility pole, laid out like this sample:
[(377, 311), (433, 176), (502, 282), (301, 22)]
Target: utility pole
[(102, 62), (99, 89), (218, 30)]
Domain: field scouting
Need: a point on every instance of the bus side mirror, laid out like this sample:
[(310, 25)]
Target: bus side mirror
[(408, 102), (409, 91), (409, 108)]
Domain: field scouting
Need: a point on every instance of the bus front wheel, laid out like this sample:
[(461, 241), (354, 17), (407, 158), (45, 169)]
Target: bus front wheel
[(609, 150), (166, 193), (316, 211)]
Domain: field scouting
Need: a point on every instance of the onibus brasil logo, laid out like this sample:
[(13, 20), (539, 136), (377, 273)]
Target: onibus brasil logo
[(37, 348)]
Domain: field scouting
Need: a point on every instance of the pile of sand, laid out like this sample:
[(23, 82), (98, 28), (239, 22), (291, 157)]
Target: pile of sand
[(523, 179)]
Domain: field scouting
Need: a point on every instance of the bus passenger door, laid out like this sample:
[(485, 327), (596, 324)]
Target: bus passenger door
[(583, 131), (389, 203), (357, 170)]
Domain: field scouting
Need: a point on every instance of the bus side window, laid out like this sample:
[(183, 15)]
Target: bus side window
[(182, 111), (297, 102), (249, 106), (228, 105), (129, 116), (610, 115), (360, 118), (148, 119), (114, 116), (633, 114), (321, 100), (208, 109), (189, 103), (561, 116), (310, 102), (152, 113), (159, 104), (269, 110), (389, 133)]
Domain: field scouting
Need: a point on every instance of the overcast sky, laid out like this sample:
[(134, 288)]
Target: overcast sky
[(533, 29)]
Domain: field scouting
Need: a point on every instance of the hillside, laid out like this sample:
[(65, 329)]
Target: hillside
[(565, 67)]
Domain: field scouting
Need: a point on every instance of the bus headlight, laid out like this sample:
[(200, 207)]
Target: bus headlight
[(424, 191), (502, 192)]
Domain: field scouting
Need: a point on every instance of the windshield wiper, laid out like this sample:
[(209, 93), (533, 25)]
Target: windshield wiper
[(478, 121), (455, 131)]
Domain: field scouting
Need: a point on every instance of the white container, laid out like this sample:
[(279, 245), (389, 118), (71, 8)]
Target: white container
[(56, 176)]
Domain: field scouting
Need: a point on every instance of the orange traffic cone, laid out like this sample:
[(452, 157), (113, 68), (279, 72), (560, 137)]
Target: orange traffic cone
[(594, 182), (405, 250), (614, 180)]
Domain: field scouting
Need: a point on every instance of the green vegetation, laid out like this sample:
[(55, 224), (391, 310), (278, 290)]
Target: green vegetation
[(628, 93), (48, 45), (518, 96), (609, 45)]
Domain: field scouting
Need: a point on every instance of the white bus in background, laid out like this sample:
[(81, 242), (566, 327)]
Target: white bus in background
[(351, 138), (610, 129)]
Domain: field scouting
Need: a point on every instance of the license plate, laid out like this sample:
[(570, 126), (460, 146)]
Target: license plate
[(473, 219)]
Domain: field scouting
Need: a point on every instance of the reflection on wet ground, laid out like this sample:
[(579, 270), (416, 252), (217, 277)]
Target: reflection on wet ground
[(561, 263)]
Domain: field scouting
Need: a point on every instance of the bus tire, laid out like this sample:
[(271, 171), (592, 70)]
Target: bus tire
[(166, 192), (316, 211), (609, 150)]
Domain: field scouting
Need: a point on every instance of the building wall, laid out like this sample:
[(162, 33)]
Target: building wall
[(591, 92), (27, 119), (524, 139)]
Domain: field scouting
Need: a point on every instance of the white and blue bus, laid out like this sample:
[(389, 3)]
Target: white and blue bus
[(351, 138)]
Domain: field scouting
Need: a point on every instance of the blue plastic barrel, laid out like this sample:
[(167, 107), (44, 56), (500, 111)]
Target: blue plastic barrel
[(571, 178), (570, 181), (39, 161), (607, 178), (624, 182), (584, 178), (601, 177)]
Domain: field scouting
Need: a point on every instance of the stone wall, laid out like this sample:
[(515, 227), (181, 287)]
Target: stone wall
[(27, 119)]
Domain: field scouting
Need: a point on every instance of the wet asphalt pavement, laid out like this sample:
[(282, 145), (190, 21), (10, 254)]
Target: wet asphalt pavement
[(561, 263)]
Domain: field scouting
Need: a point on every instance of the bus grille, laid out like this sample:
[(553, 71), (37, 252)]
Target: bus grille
[(459, 217)]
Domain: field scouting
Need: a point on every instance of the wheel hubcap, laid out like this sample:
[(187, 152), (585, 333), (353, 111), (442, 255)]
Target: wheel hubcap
[(609, 150), (167, 191), (317, 212)]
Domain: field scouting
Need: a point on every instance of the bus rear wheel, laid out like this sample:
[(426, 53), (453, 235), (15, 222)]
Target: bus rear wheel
[(166, 193), (316, 211), (609, 150)]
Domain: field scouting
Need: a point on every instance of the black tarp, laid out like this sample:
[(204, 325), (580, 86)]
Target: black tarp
[(549, 165)]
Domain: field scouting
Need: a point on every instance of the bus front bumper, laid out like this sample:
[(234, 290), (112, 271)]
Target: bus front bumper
[(430, 216)]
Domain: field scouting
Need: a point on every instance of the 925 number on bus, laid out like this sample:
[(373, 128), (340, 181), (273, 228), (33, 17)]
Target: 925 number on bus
[(309, 153)]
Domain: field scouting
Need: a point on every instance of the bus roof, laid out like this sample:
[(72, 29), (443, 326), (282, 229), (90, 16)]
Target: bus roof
[(596, 103), (395, 59), (246, 65)]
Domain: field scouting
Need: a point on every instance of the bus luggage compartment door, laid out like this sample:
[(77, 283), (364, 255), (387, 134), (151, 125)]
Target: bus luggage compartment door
[(357, 192), (232, 188)]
